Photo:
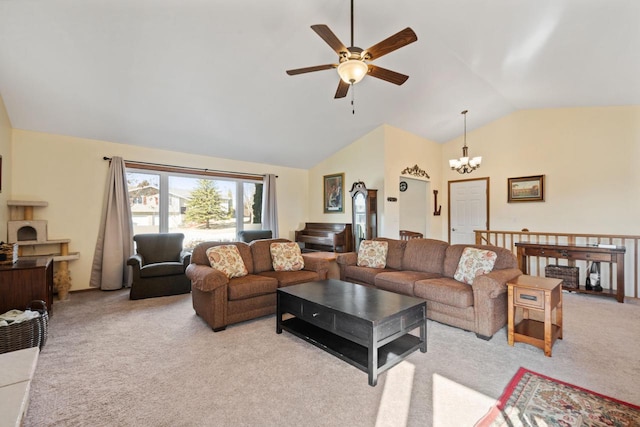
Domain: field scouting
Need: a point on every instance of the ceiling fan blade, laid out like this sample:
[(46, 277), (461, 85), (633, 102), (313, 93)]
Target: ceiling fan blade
[(311, 69), (387, 75), (396, 41), (343, 88), (330, 38)]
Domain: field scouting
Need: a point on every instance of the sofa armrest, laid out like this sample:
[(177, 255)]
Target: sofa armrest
[(185, 258), (490, 301), (344, 260), (135, 260), (319, 265), (494, 284), (347, 258), (205, 278), (136, 263)]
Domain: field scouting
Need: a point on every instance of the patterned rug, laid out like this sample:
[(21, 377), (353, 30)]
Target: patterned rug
[(532, 399)]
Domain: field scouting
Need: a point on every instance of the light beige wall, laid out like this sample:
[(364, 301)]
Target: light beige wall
[(402, 150), (588, 156), (363, 160), (70, 174), (5, 172)]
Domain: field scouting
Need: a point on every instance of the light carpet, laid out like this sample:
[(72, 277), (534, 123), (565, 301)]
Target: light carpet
[(110, 361)]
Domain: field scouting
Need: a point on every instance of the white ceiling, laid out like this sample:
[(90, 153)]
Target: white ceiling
[(208, 76)]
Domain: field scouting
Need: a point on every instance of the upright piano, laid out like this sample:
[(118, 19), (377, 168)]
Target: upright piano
[(325, 236)]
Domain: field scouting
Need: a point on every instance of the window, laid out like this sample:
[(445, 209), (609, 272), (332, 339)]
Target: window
[(204, 208)]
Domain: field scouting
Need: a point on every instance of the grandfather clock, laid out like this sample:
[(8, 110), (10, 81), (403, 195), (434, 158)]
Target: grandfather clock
[(365, 213)]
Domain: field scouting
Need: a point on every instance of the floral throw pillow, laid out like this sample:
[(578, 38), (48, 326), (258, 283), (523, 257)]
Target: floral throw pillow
[(474, 262), (227, 259), (373, 254), (286, 256)]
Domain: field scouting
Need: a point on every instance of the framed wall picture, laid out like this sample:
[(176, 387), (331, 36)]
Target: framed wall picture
[(526, 189), (334, 193)]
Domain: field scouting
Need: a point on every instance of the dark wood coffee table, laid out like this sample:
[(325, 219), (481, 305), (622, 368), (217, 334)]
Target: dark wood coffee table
[(366, 327)]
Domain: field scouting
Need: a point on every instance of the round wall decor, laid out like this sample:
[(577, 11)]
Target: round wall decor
[(403, 186)]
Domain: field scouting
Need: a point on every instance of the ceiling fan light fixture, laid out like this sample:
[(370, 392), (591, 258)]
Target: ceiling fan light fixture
[(352, 70)]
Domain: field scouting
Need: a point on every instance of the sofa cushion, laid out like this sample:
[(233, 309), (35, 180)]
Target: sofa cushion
[(401, 281), (250, 286), (288, 278), (474, 262), (445, 290), (286, 256), (199, 254), (395, 252), (227, 259), (424, 255), (162, 269), (372, 254), (362, 274), (506, 258), (261, 254)]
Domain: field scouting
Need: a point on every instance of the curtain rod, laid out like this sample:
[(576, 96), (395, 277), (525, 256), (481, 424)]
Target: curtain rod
[(205, 170)]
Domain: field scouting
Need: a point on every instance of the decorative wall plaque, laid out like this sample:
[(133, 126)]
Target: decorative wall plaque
[(416, 171)]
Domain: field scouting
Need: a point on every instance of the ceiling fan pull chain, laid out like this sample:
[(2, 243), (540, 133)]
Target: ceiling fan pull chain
[(353, 98)]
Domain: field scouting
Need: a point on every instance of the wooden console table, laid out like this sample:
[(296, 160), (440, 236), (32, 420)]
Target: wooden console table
[(26, 280), (578, 252)]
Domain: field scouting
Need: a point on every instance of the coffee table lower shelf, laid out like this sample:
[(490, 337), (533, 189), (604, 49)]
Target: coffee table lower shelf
[(353, 353)]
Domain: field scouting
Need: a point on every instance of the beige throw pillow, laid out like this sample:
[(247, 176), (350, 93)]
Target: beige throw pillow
[(227, 259), (286, 256), (474, 262), (373, 254)]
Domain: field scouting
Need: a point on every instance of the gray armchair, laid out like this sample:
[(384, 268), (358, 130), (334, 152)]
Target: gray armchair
[(158, 266), (248, 236)]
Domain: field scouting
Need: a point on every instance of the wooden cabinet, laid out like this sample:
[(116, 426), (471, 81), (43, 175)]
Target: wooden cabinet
[(365, 213), (26, 280)]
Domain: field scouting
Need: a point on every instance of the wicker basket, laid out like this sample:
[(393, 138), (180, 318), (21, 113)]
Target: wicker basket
[(30, 333), (8, 253), (569, 275)]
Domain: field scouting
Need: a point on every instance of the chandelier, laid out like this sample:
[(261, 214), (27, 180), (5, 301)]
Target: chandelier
[(464, 164)]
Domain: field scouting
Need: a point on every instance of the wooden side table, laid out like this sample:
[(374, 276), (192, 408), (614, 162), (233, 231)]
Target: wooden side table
[(540, 294)]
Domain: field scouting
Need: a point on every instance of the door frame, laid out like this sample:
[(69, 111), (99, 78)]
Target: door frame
[(449, 201)]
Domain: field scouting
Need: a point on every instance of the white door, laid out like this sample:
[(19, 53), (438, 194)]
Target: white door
[(468, 209)]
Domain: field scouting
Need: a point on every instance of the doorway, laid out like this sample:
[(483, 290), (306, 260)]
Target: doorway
[(414, 205), (468, 209)]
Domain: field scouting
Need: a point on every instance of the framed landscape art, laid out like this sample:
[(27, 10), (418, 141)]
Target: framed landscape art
[(334, 193), (526, 189)]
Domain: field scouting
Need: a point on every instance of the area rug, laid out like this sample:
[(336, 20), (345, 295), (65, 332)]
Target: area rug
[(532, 399)]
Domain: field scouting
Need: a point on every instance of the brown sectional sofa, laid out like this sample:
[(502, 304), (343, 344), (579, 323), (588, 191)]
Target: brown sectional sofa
[(424, 268), (221, 301)]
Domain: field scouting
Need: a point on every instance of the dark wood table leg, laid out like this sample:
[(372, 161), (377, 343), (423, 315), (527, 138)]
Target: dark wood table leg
[(278, 315), (423, 334), (373, 358)]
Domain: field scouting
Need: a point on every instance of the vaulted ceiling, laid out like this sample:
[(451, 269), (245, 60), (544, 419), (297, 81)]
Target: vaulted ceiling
[(208, 76)]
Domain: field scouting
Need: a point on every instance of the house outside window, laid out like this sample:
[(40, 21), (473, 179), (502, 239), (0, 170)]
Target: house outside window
[(203, 208)]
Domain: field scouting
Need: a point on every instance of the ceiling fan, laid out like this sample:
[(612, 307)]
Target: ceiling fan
[(353, 62)]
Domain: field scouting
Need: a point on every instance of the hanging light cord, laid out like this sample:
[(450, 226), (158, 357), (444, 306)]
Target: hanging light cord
[(464, 113)]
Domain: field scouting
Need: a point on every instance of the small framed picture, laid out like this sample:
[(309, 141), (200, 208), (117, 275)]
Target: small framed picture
[(526, 189), (334, 193)]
